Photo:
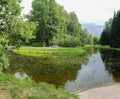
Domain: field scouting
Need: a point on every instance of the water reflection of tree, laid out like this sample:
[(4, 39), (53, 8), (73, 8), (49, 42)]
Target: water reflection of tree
[(49, 69), (111, 60), (91, 50)]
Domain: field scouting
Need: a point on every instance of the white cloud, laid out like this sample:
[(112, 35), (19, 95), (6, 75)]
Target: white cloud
[(95, 11), (27, 6)]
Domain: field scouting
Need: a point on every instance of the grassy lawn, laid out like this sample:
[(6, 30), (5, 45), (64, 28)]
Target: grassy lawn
[(14, 88), (46, 51)]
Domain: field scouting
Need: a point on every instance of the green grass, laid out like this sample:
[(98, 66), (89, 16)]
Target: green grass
[(14, 88), (46, 51), (107, 47)]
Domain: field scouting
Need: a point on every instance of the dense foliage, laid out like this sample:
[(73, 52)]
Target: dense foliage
[(9, 10), (111, 33), (13, 30), (56, 26), (115, 31)]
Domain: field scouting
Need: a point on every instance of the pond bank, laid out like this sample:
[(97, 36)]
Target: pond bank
[(14, 88), (105, 92), (95, 68)]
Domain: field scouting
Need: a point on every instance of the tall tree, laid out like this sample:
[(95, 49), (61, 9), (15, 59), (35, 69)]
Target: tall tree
[(45, 14), (63, 17), (104, 40), (115, 31), (84, 37), (74, 27), (105, 35)]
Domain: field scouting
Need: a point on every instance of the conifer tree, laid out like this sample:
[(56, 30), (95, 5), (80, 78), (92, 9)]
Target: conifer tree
[(115, 31)]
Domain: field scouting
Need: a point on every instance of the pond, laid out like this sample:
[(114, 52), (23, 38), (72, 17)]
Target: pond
[(92, 69)]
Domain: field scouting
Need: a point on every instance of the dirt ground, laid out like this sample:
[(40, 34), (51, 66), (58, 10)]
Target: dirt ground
[(105, 92), (4, 95)]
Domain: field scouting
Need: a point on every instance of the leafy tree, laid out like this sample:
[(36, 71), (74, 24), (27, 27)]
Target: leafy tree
[(62, 26), (13, 30), (74, 27), (44, 13), (84, 37), (9, 9), (90, 39), (96, 40), (21, 32)]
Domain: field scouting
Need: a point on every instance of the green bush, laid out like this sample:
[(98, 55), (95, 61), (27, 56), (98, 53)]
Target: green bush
[(70, 41)]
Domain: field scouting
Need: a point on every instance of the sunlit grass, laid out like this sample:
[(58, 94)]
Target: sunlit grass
[(27, 89), (47, 51)]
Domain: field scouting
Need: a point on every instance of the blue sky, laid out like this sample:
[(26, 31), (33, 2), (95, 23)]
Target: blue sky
[(88, 11)]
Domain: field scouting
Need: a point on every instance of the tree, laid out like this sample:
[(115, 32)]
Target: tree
[(44, 13), (104, 38), (84, 36), (73, 27), (96, 40), (63, 17), (9, 9), (105, 35), (115, 31), (21, 32), (13, 30)]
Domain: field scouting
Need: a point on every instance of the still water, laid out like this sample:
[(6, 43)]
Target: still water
[(92, 69)]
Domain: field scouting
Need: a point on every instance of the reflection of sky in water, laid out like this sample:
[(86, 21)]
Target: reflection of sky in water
[(91, 75), (20, 75)]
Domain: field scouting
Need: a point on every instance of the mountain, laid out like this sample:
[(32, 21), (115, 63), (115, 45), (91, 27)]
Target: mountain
[(93, 28)]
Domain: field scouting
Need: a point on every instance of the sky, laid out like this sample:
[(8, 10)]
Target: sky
[(88, 11)]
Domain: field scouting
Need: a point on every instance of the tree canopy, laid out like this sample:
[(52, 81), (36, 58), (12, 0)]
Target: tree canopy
[(13, 29), (55, 25)]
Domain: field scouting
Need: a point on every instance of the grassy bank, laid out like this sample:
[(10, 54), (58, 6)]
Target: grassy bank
[(28, 89), (14, 88), (47, 51), (107, 47)]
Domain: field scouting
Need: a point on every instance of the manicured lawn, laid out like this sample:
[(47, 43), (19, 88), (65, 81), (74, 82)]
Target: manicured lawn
[(47, 51), (14, 88)]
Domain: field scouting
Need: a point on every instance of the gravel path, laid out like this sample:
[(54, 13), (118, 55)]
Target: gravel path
[(106, 92)]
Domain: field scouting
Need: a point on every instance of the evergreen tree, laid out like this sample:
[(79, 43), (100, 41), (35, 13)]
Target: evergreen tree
[(104, 40), (105, 35), (115, 31)]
